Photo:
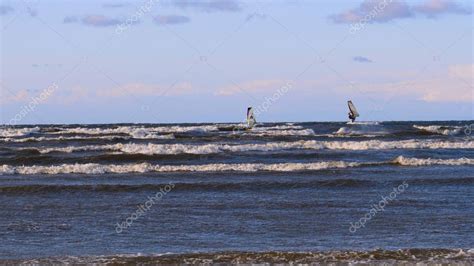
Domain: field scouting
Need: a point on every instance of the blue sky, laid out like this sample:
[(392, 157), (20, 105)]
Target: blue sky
[(171, 61)]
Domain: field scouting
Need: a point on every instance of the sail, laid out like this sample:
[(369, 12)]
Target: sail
[(251, 121), (352, 109)]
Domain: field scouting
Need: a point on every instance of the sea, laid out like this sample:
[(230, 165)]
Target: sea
[(202, 193)]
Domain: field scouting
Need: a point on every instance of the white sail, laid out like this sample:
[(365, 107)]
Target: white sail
[(251, 121), (353, 109)]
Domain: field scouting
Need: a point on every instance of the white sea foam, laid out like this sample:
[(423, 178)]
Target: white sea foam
[(150, 148), (366, 123), (429, 161), (278, 127), (61, 138), (161, 132), (367, 130), (140, 132), (134, 132), (65, 138), (276, 132), (92, 168), (8, 132), (143, 131), (347, 131), (145, 168), (442, 130)]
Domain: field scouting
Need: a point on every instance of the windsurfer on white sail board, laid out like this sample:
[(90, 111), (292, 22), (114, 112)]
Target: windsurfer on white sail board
[(352, 111), (251, 121)]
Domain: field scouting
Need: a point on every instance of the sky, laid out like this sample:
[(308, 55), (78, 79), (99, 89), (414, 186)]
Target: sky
[(177, 61)]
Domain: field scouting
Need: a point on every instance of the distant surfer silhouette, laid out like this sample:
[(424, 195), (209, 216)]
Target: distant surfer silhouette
[(352, 111)]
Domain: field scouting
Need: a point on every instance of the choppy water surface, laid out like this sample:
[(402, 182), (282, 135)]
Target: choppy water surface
[(107, 190)]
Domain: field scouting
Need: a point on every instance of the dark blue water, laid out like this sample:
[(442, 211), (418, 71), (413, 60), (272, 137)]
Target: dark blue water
[(76, 190)]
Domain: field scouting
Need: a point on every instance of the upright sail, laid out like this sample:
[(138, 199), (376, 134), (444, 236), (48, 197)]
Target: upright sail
[(352, 109), (250, 118)]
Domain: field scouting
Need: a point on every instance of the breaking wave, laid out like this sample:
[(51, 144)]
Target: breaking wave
[(367, 129), (62, 138), (67, 138), (429, 161), (280, 132), (140, 132), (161, 132), (8, 132), (335, 257), (270, 146), (442, 130), (365, 123), (347, 131), (92, 168), (135, 132), (146, 168)]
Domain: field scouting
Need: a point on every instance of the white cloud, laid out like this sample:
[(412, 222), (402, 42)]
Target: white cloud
[(433, 8), (382, 11), (377, 10)]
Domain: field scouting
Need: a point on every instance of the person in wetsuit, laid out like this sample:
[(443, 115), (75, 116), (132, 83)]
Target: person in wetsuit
[(352, 117)]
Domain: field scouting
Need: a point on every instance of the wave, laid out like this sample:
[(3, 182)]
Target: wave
[(262, 127), (335, 257), (276, 132), (92, 168), (278, 127), (441, 130), (77, 138), (62, 138), (138, 132), (157, 132), (366, 129), (151, 148), (8, 132), (145, 134), (134, 132), (365, 123), (429, 161), (347, 131)]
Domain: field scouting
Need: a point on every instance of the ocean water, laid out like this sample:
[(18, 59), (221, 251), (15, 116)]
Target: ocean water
[(134, 190)]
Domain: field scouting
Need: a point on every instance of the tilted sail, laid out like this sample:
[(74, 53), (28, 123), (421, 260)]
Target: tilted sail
[(251, 121), (352, 109)]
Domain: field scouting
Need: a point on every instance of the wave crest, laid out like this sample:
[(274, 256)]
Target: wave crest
[(8, 132), (146, 167), (442, 130), (92, 168), (401, 160), (167, 149)]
